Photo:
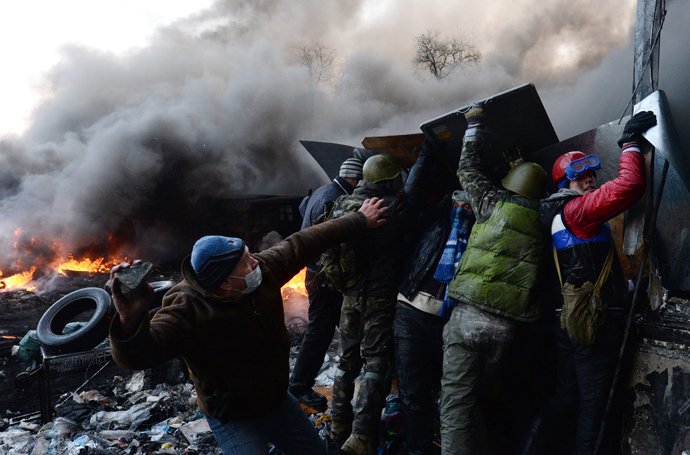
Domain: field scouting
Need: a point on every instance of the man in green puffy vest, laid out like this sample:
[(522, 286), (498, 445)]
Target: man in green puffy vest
[(494, 287)]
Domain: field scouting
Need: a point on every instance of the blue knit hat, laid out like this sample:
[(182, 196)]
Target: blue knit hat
[(214, 257)]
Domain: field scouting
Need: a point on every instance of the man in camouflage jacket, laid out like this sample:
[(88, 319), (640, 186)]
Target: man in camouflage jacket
[(366, 324), (494, 286)]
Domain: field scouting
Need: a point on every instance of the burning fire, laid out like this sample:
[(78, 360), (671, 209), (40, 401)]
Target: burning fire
[(20, 280), (86, 265), (16, 281), (89, 262), (296, 284)]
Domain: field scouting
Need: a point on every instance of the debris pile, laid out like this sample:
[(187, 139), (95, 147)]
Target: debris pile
[(123, 420), (327, 371), (122, 417)]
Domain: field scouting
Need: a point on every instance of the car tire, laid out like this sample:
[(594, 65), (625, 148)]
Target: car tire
[(52, 323)]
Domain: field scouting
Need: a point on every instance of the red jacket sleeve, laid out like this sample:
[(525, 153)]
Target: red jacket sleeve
[(585, 215)]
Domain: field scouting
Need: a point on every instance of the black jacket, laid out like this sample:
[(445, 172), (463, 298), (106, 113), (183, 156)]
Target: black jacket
[(435, 226)]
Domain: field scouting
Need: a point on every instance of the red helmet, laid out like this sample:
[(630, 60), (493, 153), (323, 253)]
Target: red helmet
[(558, 171)]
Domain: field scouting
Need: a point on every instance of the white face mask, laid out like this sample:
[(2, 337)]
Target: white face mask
[(252, 280)]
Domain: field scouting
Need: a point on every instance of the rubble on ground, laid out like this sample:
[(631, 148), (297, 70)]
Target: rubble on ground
[(123, 420)]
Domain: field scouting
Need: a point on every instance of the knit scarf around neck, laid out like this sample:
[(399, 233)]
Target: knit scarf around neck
[(461, 222)]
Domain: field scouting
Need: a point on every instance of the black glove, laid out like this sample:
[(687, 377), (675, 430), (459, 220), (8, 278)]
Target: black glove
[(638, 124), (429, 148), (219, 404)]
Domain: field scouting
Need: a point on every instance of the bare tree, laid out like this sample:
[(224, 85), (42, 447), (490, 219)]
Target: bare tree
[(320, 59), (441, 56)]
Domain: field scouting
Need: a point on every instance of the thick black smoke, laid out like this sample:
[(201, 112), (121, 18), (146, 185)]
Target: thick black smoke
[(123, 145)]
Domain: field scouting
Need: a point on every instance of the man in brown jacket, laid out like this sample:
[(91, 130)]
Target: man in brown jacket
[(226, 320)]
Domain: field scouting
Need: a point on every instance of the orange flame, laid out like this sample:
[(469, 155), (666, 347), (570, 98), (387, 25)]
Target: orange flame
[(296, 284), (85, 265), (17, 280), (20, 280), (98, 265)]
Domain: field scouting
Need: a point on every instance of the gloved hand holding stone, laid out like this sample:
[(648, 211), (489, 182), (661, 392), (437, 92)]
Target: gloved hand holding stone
[(638, 124), (475, 116)]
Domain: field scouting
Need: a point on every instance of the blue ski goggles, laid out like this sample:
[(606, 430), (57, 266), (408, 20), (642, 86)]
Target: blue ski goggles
[(578, 167)]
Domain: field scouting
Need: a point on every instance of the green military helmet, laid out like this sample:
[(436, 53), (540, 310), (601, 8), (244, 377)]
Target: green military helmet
[(526, 179), (380, 167)]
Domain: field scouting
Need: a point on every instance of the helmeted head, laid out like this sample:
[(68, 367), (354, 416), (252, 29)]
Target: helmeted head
[(351, 169), (526, 179), (572, 165), (380, 167), (214, 257)]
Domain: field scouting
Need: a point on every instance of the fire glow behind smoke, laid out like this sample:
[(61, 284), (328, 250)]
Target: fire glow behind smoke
[(45, 260)]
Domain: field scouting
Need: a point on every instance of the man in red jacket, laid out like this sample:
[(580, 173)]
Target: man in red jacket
[(226, 321), (577, 219)]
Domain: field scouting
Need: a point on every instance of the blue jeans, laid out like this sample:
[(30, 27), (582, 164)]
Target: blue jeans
[(419, 362), (582, 386), (288, 429)]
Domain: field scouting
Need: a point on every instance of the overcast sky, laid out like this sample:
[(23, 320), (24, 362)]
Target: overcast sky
[(32, 32)]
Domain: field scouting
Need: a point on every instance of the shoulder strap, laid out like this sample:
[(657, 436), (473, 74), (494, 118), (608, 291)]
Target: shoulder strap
[(558, 267), (603, 276), (605, 271)]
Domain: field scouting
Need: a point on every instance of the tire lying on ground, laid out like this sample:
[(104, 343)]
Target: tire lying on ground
[(52, 323)]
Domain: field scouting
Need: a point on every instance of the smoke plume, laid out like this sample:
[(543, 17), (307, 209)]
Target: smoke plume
[(123, 145)]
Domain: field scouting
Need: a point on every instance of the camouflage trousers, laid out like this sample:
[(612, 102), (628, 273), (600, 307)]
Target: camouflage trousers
[(366, 339)]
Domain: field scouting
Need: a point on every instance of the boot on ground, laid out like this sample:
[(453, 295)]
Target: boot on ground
[(340, 433), (312, 399), (358, 444)]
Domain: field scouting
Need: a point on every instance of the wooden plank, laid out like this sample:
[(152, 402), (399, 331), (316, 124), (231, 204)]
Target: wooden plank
[(400, 147)]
